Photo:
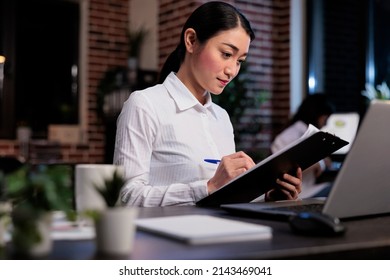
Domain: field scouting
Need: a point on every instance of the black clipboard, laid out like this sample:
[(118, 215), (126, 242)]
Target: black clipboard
[(262, 177)]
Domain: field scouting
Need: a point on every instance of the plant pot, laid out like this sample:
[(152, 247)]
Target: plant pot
[(31, 238), (115, 231)]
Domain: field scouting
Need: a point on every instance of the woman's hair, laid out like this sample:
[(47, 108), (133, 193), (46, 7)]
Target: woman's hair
[(314, 106), (207, 20)]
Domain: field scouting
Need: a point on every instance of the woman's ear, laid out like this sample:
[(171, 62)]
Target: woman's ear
[(190, 39)]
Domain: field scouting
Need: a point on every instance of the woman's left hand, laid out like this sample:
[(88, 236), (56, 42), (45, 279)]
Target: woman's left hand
[(289, 187)]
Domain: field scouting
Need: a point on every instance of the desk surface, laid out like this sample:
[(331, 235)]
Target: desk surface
[(367, 238)]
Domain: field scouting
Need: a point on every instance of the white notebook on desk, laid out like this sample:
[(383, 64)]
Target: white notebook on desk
[(204, 229)]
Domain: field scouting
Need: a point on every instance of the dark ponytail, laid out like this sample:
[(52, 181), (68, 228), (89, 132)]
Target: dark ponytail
[(207, 20), (172, 63)]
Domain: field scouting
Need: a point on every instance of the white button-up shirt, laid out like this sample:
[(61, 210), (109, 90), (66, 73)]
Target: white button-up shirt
[(163, 136)]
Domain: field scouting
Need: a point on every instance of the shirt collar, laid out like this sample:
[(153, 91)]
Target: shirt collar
[(183, 98)]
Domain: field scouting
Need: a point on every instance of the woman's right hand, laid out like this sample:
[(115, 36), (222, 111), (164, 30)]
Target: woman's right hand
[(288, 187), (230, 167)]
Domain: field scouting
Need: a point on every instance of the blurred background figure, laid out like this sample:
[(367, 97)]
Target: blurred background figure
[(315, 110)]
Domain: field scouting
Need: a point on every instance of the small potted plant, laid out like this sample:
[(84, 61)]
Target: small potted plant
[(135, 40), (34, 193), (115, 225)]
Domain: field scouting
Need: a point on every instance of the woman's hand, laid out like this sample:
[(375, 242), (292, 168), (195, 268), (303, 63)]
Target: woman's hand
[(288, 189), (230, 167)]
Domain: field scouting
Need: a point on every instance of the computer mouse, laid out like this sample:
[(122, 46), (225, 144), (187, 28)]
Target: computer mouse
[(316, 224)]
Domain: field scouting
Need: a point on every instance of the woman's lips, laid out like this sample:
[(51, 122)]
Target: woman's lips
[(223, 82)]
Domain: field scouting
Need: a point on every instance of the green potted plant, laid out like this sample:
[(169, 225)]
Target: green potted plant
[(111, 188), (34, 193), (135, 39), (114, 225)]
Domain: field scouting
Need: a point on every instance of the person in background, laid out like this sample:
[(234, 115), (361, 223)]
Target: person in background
[(315, 109), (165, 132)]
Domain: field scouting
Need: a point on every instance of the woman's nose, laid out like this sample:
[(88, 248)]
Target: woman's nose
[(231, 69)]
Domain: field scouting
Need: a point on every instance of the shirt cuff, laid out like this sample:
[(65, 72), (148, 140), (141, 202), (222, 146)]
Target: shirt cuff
[(199, 190)]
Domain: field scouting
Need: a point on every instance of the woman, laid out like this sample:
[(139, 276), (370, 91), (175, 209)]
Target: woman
[(165, 132), (315, 110)]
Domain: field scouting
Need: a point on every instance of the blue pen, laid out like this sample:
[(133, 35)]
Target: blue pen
[(215, 161)]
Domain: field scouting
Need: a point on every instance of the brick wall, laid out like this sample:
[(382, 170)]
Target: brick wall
[(268, 63), (108, 23)]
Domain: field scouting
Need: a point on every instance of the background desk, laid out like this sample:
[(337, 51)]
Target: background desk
[(365, 239)]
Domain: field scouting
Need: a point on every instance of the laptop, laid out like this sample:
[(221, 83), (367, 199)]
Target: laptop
[(362, 186)]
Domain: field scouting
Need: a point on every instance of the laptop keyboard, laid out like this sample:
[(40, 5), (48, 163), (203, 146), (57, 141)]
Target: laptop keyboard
[(314, 207)]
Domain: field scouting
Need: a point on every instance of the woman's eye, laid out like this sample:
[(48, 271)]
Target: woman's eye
[(240, 62), (226, 55)]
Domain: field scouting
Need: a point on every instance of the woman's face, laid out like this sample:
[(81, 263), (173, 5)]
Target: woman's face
[(322, 120), (214, 64)]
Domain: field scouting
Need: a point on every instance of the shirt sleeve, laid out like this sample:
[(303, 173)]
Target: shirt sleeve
[(136, 131)]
